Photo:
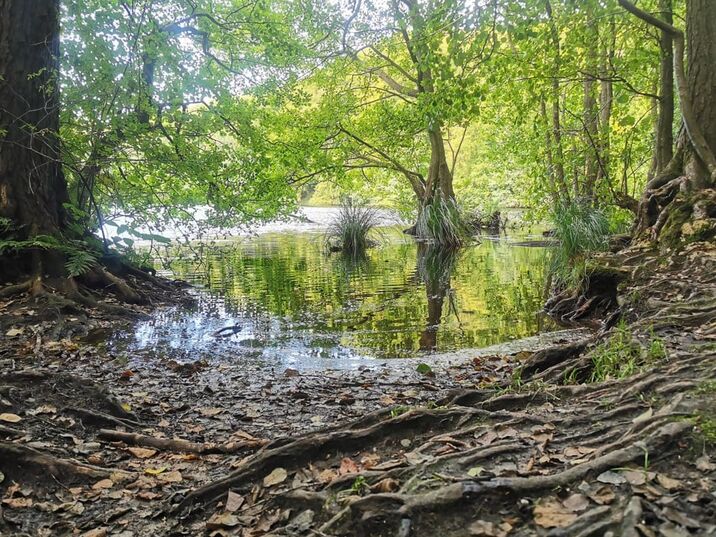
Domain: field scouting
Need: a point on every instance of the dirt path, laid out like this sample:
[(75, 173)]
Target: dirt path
[(474, 450)]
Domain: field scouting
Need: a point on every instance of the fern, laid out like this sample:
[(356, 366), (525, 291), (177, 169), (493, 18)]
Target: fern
[(79, 261)]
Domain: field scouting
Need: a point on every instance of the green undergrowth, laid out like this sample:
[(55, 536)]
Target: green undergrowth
[(622, 356)]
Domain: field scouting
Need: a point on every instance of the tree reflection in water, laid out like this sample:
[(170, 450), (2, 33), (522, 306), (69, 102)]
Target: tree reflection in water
[(392, 302)]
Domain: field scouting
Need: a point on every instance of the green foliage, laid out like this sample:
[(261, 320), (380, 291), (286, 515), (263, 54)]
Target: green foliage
[(351, 228), (80, 256), (360, 486), (657, 349), (399, 410), (219, 114), (425, 369), (79, 261)]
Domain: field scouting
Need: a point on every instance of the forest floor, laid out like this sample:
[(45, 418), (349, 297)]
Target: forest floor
[(611, 433)]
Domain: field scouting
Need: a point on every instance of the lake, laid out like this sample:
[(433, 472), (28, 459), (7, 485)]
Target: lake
[(280, 297)]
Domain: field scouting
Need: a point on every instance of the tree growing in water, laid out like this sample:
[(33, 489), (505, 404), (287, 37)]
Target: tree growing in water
[(401, 75)]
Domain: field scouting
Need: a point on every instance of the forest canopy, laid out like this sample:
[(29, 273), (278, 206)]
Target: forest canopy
[(249, 107), (223, 113)]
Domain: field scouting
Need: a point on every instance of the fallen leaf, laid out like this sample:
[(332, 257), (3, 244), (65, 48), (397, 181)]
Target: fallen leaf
[(13, 332), (680, 518), (551, 513), (10, 418), (369, 461), (386, 485), (704, 464), (668, 483), (643, 417), (210, 411), (634, 477), (611, 478), (279, 475), (17, 503), (576, 503), (96, 532), (74, 508), (475, 471), (222, 520), (327, 475), (142, 453), (148, 495), (603, 495), (103, 484), (482, 528), (155, 471), (170, 477), (291, 373), (233, 501), (348, 467), (43, 409)]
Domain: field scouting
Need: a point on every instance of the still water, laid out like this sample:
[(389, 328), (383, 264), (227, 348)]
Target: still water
[(281, 297)]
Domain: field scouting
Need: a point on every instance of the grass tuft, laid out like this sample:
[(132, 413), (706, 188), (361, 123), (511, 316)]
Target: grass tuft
[(581, 229), (349, 232), (441, 222)]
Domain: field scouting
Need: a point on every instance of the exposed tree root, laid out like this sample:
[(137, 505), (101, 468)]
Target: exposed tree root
[(16, 289), (22, 463), (177, 444)]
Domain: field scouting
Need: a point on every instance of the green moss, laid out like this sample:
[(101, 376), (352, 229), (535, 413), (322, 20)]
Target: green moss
[(679, 213)]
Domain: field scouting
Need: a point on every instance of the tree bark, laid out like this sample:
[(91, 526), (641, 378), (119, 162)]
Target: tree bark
[(591, 114), (665, 122), (33, 189), (556, 114), (701, 79)]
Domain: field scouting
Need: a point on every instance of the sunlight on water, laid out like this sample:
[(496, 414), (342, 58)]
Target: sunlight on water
[(282, 298)]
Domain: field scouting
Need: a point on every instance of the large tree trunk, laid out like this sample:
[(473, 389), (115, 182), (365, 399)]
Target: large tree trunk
[(701, 47), (33, 189), (679, 202), (439, 181)]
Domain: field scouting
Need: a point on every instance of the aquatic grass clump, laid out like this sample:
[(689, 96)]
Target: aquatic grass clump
[(349, 231), (581, 229), (441, 222)]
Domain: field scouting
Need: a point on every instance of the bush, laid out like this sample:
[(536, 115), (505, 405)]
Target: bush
[(350, 229)]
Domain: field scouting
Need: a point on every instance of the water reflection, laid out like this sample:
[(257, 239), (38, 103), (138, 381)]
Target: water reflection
[(293, 301)]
